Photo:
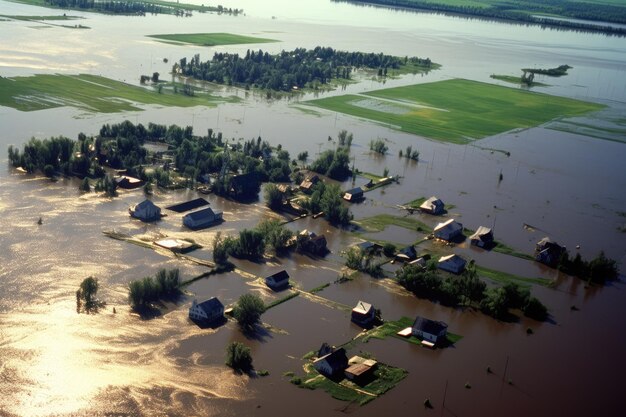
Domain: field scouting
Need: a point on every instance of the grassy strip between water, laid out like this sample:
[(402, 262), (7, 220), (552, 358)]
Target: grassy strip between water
[(88, 92), (379, 222), (210, 39), (456, 111), (169, 6), (40, 18), (504, 277), (282, 300), (391, 328), (385, 378), (319, 288), (517, 80)]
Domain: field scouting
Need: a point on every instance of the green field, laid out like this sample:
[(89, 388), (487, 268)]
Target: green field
[(456, 111), (210, 39), (88, 92)]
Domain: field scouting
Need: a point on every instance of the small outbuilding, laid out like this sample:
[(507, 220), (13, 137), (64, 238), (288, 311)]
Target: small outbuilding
[(332, 364), (548, 252), (360, 369), (354, 195), (448, 230), (407, 254), (278, 281), (146, 211), (432, 331), (452, 263), (202, 218), (207, 311), (363, 314), (433, 206), (482, 237)]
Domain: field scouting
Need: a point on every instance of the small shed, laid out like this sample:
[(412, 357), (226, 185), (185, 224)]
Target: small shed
[(433, 206), (482, 237), (202, 218), (452, 263), (309, 181), (332, 364), (175, 245), (363, 314), (278, 281), (430, 330), (207, 311), (548, 252), (146, 211), (448, 230), (353, 195)]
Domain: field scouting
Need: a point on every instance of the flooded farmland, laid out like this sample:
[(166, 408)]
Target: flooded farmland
[(564, 184)]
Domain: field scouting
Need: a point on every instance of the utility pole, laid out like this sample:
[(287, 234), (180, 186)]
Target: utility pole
[(443, 404)]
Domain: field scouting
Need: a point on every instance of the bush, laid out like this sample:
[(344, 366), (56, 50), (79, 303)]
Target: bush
[(389, 250), (535, 309), (378, 146), (84, 186), (248, 310), (238, 357), (220, 251), (150, 289), (48, 171), (250, 245), (276, 236), (273, 197)]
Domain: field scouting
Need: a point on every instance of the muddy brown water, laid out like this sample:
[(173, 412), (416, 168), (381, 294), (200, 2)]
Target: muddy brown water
[(54, 362)]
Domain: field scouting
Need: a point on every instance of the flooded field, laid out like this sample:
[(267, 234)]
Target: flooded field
[(564, 184)]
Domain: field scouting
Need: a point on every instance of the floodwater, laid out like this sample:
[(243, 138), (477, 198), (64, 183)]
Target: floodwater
[(54, 362)]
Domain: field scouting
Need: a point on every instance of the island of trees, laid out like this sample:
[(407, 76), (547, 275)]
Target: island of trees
[(134, 7), (297, 69)]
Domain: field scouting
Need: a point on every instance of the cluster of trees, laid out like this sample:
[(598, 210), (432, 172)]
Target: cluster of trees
[(299, 68), (409, 153), (248, 311), (599, 270), (165, 284), (273, 196), (252, 243), (468, 289), (140, 7), (358, 260), (86, 295), (238, 357), (106, 185), (327, 198), (334, 164), (553, 72), (379, 146), (526, 13)]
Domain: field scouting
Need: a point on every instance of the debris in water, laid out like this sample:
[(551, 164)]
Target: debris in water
[(40, 221)]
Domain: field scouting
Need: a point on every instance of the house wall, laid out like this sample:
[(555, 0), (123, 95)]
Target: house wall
[(197, 313), (323, 367)]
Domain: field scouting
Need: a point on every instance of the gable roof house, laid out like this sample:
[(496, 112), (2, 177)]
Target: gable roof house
[(202, 218), (448, 230), (406, 254), (353, 195), (244, 185), (333, 364), (128, 183), (207, 311), (482, 237), (433, 206), (369, 247), (452, 263), (278, 281), (430, 330), (146, 211), (548, 252), (309, 181), (363, 314)]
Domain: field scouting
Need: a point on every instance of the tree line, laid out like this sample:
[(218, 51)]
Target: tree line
[(164, 285), (299, 68), (138, 7)]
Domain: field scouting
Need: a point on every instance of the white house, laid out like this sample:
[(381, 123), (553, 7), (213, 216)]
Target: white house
[(145, 211), (483, 237), (452, 263), (428, 329), (448, 230), (202, 218), (363, 314), (433, 206), (207, 311)]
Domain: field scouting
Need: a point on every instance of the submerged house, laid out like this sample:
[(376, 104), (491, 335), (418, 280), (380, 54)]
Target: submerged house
[(548, 252), (313, 243), (448, 230), (332, 364), (369, 248), (406, 254), (309, 181), (207, 311), (482, 237), (202, 218), (278, 281), (433, 206), (353, 195), (244, 186), (452, 263), (146, 211), (432, 331), (363, 314), (127, 182)]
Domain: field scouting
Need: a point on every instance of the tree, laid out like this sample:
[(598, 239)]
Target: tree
[(248, 310), (238, 357), (495, 302), (84, 185), (389, 249), (303, 156), (86, 293), (330, 203), (601, 269), (273, 196), (354, 259), (535, 309), (155, 77), (275, 234), (472, 288), (220, 252)]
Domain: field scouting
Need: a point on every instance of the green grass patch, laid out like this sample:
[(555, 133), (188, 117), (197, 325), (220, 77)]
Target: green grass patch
[(210, 39), (507, 250), (90, 93), (370, 176), (379, 222), (512, 79), (391, 329), (319, 288), (456, 111), (282, 300), (504, 277)]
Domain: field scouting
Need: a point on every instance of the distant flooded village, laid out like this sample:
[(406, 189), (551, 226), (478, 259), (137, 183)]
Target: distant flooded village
[(332, 208)]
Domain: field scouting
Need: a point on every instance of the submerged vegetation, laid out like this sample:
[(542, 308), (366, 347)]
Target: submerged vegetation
[(210, 39), (144, 292), (238, 357)]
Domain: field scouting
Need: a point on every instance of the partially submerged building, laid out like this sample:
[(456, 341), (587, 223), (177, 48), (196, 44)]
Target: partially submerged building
[(360, 369), (278, 281), (482, 237), (406, 254), (448, 230), (207, 311), (309, 181), (176, 245), (332, 364), (433, 206), (312, 243), (548, 252), (430, 330), (354, 195), (146, 211), (452, 263), (369, 248), (128, 183), (363, 314), (202, 218)]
